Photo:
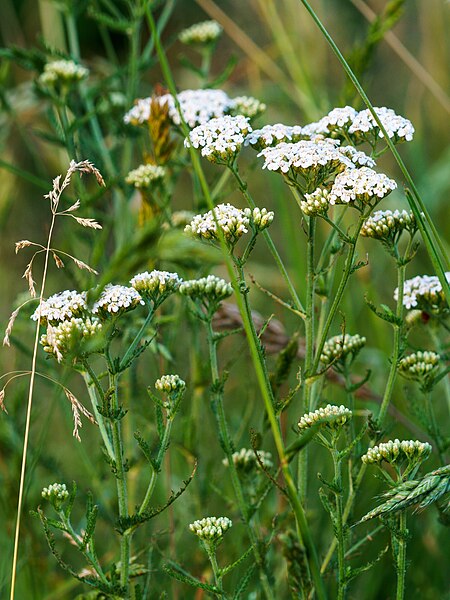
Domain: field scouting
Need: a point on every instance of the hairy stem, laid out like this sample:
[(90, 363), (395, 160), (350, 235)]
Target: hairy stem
[(401, 557)]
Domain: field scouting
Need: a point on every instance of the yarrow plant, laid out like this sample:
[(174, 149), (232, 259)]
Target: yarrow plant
[(177, 376)]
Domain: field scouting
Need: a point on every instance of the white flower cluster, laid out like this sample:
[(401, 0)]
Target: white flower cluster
[(396, 126), (361, 185), (424, 292), (271, 135), (156, 285), (62, 71), (220, 139), (419, 365), (211, 287), (339, 347), (60, 307), (245, 460), (387, 224), (247, 106), (358, 158), (69, 336), (197, 107), (331, 416), (201, 33), (303, 156), (56, 493), (336, 120), (170, 383), (115, 300), (233, 222), (397, 451), (145, 175), (211, 528)]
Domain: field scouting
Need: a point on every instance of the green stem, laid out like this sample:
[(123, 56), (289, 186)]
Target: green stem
[(415, 201), (90, 385), (401, 557), (303, 531), (339, 293), (244, 189), (215, 568), (339, 524), (121, 483), (228, 448), (401, 267), (89, 555), (154, 476), (134, 344)]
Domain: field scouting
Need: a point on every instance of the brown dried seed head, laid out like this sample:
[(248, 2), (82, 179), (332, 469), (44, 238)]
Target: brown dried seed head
[(82, 265), (28, 275), (10, 325), (22, 244), (58, 261), (2, 400), (88, 223)]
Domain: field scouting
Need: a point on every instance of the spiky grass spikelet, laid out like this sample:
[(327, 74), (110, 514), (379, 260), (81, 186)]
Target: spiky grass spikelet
[(421, 492)]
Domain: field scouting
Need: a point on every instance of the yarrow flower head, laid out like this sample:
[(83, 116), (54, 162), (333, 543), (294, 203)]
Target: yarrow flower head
[(332, 417), (316, 161), (116, 300), (174, 387), (197, 107), (211, 529), (336, 122), (387, 225), (220, 139), (62, 72), (245, 460), (77, 337), (210, 288), (201, 34), (61, 307), (156, 285), (360, 185), (233, 222), (145, 176), (170, 383), (271, 135), (56, 494), (365, 128), (247, 106), (420, 366), (339, 348), (425, 293), (398, 452), (358, 158)]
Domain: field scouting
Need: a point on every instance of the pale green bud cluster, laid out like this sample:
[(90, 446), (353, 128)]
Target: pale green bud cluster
[(201, 34), (386, 225), (316, 203), (248, 106), (260, 218), (170, 383), (233, 222), (156, 285), (71, 336), (145, 175), (245, 460), (331, 416), (210, 288), (397, 451), (211, 529), (419, 365), (56, 493), (339, 347), (62, 71)]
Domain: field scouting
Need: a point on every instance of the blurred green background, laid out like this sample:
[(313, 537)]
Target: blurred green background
[(282, 60)]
